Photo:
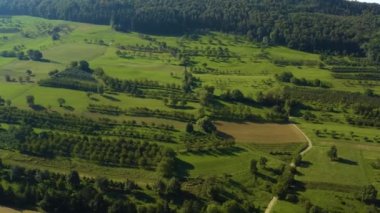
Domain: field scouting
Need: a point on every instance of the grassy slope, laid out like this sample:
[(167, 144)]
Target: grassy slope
[(257, 76)]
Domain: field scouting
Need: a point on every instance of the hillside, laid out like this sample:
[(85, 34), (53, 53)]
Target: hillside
[(169, 113)]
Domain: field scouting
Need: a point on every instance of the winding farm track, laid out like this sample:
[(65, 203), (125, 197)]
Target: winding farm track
[(274, 200)]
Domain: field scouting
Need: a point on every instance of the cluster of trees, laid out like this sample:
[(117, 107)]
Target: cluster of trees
[(284, 183), (134, 87), (234, 95), (214, 71), (333, 26), (175, 102), (34, 55), (289, 78), (329, 98), (354, 69), (141, 112), (205, 142), (70, 83), (236, 112), (78, 76), (333, 153), (52, 120), (189, 82), (115, 152), (105, 109), (286, 62), (209, 52), (357, 76), (373, 50), (53, 192), (172, 115)]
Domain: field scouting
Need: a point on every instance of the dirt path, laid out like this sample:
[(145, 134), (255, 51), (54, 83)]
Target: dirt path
[(274, 200)]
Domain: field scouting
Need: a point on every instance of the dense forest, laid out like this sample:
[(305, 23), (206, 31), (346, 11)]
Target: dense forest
[(332, 26)]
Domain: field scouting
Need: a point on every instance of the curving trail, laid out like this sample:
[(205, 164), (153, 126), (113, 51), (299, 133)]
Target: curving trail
[(274, 200)]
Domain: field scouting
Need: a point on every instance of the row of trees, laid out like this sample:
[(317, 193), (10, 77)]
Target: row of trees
[(115, 152), (34, 55), (290, 78)]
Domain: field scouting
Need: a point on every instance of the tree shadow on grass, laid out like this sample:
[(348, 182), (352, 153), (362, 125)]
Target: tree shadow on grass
[(143, 197), (266, 177), (183, 168), (37, 107), (347, 161), (231, 151), (305, 164), (69, 108)]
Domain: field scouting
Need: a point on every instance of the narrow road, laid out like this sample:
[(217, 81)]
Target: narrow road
[(274, 200), (271, 204), (310, 144)]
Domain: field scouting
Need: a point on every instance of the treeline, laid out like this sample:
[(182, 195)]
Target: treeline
[(336, 26), (358, 76), (104, 151), (135, 87), (351, 69), (110, 152), (289, 78), (34, 55), (328, 97), (365, 115), (64, 122), (141, 112)]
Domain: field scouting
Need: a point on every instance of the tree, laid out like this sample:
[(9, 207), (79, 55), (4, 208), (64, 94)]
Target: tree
[(369, 92), (173, 187), (373, 50), (253, 167), (30, 100), (73, 64), (8, 78), (98, 204), (263, 162), (73, 179), (368, 194), (35, 55), (166, 167), (333, 153), (205, 125), (237, 95), (8, 103), (206, 95), (29, 72), (189, 128), (61, 102), (284, 76), (84, 65), (232, 206)]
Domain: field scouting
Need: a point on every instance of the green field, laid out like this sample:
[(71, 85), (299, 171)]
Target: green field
[(250, 68)]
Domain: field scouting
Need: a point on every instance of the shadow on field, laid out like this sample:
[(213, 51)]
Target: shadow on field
[(305, 164), (232, 151), (143, 197), (266, 177), (111, 98), (69, 108), (183, 168), (37, 107), (347, 161)]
